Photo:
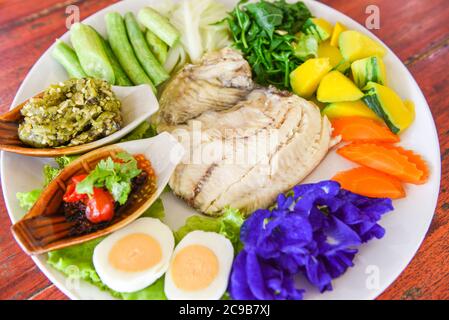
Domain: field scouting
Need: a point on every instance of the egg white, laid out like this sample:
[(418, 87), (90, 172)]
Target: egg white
[(222, 248), (123, 281)]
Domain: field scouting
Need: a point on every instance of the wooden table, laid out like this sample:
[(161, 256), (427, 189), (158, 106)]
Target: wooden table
[(416, 30)]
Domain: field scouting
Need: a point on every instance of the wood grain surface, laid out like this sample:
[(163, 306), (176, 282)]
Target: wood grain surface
[(416, 30)]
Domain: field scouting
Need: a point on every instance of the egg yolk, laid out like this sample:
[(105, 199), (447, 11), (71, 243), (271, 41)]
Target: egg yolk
[(194, 268), (135, 252)]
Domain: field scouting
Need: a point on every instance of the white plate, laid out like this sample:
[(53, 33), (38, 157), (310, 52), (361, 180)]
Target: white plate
[(378, 263)]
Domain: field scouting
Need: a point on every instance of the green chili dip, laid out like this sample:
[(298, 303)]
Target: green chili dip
[(71, 113)]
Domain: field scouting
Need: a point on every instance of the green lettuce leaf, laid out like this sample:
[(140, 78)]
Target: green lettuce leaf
[(79, 259), (64, 161), (50, 173), (228, 225), (28, 199), (143, 131)]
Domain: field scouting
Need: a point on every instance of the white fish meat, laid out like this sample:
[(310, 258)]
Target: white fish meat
[(218, 82), (245, 156)]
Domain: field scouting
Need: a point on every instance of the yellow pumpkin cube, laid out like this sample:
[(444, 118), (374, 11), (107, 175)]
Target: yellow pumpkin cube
[(335, 87), (349, 109), (306, 78), (398, 115), (338, 29), (355, 46), (325, 50)]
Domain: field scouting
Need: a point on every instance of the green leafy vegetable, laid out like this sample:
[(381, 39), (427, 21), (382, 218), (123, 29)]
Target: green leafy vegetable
[(267, 15), (114, 176), (143, 131), (50, 173), (28, 199), (64, 161), (227, 225), (265, 32), (76, 262)]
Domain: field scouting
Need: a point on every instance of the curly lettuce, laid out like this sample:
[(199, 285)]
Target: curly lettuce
[(227, 225), (28, 199)]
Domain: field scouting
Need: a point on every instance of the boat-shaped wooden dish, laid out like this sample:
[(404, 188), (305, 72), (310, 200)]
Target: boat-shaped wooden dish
[(45, 228), (138, 104)]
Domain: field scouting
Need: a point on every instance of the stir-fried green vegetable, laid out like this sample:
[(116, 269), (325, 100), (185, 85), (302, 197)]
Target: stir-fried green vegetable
[(265, 32)]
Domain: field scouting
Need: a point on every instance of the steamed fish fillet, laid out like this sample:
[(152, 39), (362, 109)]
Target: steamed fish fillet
[(245, 156), (219, 81)]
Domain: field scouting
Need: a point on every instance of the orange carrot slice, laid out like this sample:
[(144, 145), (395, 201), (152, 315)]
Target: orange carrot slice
[(370, 183), (416, 159), (362, 129), (396, 161)]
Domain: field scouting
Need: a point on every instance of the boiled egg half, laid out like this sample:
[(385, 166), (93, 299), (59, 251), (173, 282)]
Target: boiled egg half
[(200, 267), (136, 256)]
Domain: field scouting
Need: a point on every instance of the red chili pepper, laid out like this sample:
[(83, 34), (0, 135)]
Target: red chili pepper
[(71, 195), (100, 206)]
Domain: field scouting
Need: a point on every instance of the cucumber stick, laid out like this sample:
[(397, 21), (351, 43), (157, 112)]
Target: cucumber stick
[(118, 39), (157, 46), (67, 57), (121, 79), (90, 52), (146, 58), (159, 25)]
